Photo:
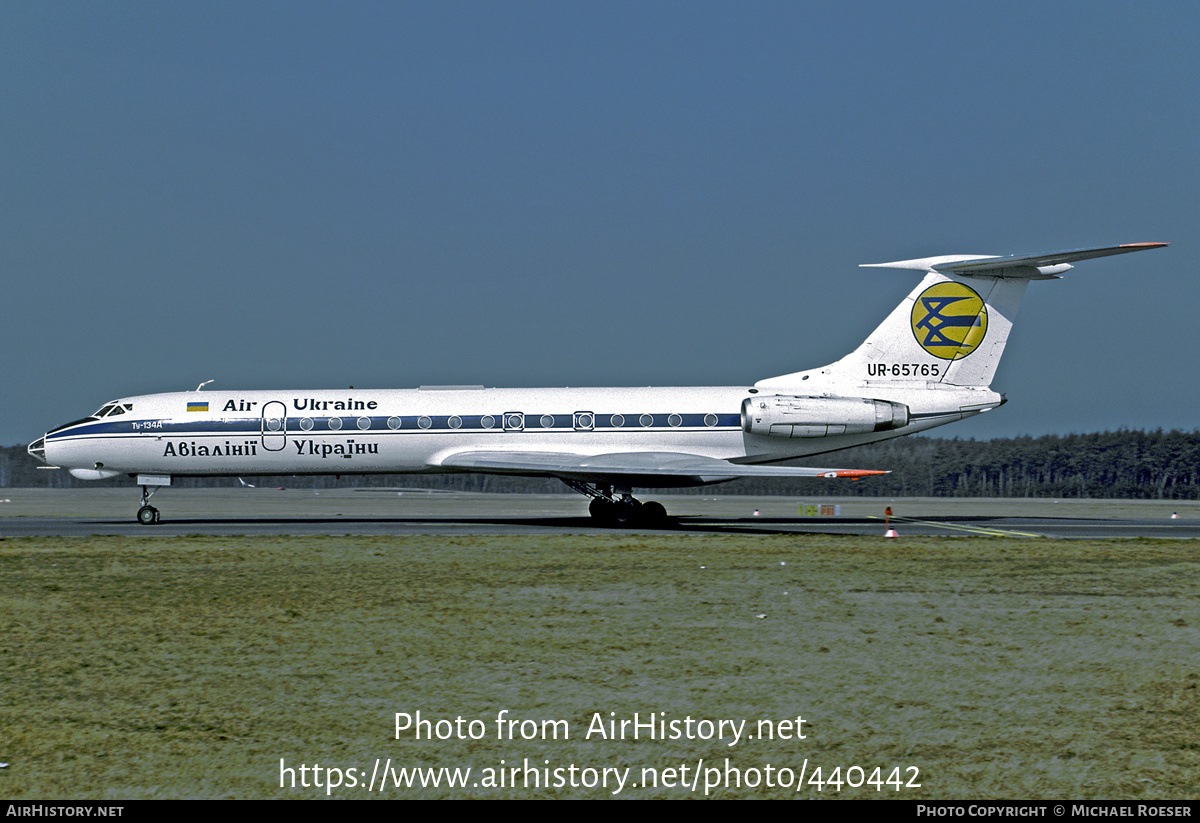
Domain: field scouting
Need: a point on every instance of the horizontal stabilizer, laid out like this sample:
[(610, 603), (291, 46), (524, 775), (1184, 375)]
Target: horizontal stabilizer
[(1025, 266), (628, 466)]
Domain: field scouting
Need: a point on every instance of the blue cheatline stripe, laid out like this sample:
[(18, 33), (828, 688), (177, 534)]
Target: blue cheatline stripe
[(532, 422), (408, 423)]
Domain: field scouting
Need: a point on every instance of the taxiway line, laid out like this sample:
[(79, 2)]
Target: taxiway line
[(956, 527)]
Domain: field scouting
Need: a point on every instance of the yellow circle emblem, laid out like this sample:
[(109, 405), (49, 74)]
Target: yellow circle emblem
[(949, 320)]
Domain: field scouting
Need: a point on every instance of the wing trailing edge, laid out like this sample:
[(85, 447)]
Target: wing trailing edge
[(629, 466)]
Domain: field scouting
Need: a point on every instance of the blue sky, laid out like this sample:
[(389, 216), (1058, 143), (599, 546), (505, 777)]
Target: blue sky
[(318, 195)]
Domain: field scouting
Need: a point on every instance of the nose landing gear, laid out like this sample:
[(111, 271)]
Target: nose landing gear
[(147, 515)]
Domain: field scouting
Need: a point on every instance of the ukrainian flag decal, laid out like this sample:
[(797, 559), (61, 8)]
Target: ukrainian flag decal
[(949, 320), (196, 406)]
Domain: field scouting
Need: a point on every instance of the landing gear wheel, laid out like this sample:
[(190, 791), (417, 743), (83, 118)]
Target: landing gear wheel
[(653, 513), (147, 515), (626, 512), (601, 510), (617, 507)]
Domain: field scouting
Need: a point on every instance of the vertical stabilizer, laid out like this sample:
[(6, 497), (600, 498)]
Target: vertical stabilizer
[(952, 328), (949, 329)]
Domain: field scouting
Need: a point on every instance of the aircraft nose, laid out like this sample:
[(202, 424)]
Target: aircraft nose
[(37, 449)]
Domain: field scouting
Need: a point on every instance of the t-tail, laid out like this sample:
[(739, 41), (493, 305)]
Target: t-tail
[(933, 359), (952, 328)]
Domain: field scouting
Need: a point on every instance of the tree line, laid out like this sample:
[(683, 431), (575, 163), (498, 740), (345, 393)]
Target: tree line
[(1126, 464)]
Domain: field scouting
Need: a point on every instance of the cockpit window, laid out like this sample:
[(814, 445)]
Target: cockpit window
[(112, 409)]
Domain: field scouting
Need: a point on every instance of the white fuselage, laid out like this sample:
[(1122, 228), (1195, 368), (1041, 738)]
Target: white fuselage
[(414, 430), (930, 362)]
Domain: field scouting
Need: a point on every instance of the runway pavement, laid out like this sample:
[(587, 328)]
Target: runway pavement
[(276, 511)]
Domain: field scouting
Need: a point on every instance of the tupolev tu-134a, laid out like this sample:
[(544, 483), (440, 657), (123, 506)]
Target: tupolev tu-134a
[(929, 363)]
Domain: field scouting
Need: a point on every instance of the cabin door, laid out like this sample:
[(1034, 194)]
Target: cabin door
[(274, 426)]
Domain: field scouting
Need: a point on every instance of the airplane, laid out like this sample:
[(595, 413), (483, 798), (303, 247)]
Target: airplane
[(930, 362)]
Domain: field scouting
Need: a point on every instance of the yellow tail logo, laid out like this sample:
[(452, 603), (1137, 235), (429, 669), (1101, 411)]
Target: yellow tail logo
[(949, 320)]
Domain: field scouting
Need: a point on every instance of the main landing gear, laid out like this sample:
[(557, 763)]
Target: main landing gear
[(618, 507)]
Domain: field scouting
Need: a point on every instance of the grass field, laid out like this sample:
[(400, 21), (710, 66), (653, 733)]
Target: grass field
[(190, 667)]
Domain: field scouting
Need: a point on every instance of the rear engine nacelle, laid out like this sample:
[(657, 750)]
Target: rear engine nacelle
[(785, 416)]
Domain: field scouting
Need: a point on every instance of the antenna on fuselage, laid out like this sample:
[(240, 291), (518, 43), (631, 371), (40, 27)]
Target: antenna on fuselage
[(205, 383)]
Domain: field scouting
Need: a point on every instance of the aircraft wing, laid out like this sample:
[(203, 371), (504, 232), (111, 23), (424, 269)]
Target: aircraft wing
[(654, 468)]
